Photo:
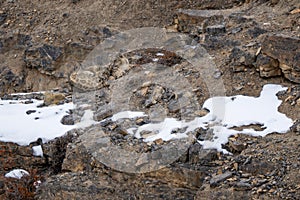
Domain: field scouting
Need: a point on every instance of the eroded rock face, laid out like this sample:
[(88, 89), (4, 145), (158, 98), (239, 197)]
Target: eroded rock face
[(10, 80), (286, 50), (268, 66), (43, 58)]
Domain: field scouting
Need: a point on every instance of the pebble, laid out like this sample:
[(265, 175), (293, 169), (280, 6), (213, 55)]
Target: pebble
[(159, 141), (201, 112), (242, 186), (28, 112), (217, 74), (28, 102)]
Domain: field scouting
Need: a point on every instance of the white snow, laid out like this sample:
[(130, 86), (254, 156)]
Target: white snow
[(37, 151), (226, 113), (127, 114), (160, 54), (17, 173), (19, 127), (86, 120)]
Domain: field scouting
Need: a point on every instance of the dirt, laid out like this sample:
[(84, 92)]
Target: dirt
[(260, 168)]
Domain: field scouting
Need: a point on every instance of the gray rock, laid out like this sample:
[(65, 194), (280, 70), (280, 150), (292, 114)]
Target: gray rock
[(67, 120), (239, 57), (242, 186), (3, 17), (215, 180), (216, 29)]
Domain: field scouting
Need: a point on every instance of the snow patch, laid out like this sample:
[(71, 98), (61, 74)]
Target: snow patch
[(17, 173), (127, 115), (22, 128), (37, 151), (225, 113), (160, 54), (87, 119)]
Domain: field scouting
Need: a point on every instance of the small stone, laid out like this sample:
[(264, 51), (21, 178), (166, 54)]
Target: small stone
[(28, 112), (146, 84), (271, 190), (215, 180), (298, 102), (28, 102), (245, 175), (241, 186), (295, 11), (217, 29), (53, 98), (217, 74), (236, 166), (122, 131), (144, 91), (147, 134), (201, 112), (67, 120), (259, 190), (236, 30), (159, 141), (238, 88), (140, 121)]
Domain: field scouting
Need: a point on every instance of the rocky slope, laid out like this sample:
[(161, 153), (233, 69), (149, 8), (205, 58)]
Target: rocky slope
[(252, 42)]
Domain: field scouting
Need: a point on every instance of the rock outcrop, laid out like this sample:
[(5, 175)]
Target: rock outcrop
[(282, 53)]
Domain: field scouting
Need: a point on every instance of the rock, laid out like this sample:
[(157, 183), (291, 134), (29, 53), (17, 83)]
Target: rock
[(15, 42), (67, 120), (239, 57), (28, 112), (258, 167), (196, 21), (255, 32), (296, 126), (76, 159), (196, 154), (242, 186), (217, 74), (286, 50), (9, 80), (215, 180), (143, 159), (216, 29), (202, 112), (43, 58), (3, 17), (236, 146), (268, 67), (53, 98), (295, 11), (221, 193), (103, 112), (159, 141)]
